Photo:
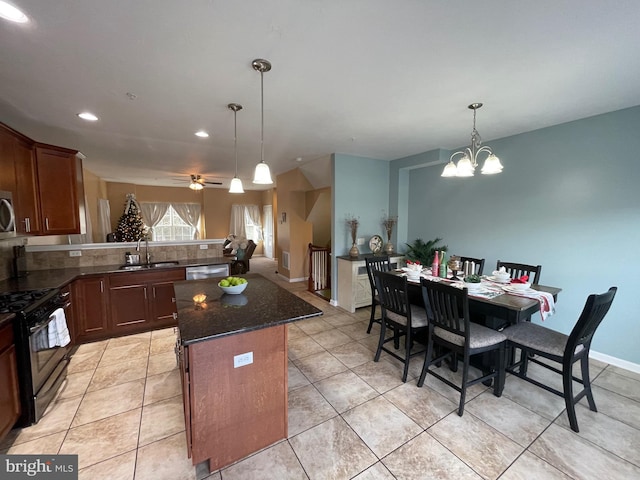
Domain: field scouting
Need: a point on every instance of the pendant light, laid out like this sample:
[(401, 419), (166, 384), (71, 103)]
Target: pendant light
[(262, 173), (236, 183)]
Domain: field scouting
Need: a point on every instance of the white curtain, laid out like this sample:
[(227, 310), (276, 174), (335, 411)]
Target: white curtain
[(104, 219), (237, 222), (152, 213), (190, 213), (252, 214)]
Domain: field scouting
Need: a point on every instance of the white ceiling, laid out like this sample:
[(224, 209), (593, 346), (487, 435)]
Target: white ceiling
[(374, 78)]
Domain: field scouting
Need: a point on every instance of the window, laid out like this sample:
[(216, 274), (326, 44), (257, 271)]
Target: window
[(172, 227)]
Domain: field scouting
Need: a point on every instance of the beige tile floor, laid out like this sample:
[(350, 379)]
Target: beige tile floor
[(349, 417)]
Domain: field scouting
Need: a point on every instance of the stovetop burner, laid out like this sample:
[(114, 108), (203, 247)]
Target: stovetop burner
[(18, 301)]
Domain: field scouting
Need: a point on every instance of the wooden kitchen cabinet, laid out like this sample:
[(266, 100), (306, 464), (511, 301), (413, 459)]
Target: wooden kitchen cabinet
[(27, 201), (9, 387), (7, 172), (90, 298), (61, 190)]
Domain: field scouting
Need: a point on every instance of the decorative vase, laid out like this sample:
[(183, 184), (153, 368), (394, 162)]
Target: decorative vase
[(354, 252), (388, 248)]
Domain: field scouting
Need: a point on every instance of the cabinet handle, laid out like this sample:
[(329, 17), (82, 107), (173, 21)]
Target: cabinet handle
[(145, 293), (27, 224), (173, 299), (46, 223), (101, 286), (154, 292), (65, 294)]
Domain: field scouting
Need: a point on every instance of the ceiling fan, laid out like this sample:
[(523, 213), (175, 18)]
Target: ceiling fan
[(198, 182)]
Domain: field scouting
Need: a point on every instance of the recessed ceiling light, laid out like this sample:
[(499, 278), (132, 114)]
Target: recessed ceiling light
[(11, 13), (88, 116), (202, 134)]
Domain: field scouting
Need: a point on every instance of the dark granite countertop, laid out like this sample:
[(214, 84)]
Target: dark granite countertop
[(263, 304), (56, 278)]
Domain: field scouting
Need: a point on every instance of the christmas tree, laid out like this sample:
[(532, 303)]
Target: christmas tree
[(130, 226)]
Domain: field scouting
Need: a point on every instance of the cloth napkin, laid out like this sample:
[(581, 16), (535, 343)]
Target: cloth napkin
[(547, 304)]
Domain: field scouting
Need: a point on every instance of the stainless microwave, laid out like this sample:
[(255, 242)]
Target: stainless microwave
[(7, 215)]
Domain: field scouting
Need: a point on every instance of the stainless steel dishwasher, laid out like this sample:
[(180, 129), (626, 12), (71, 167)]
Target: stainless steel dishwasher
[(207, 271)]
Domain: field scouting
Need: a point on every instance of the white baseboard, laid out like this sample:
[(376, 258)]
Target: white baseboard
[(333, 303), (301, 279), (618, 362)]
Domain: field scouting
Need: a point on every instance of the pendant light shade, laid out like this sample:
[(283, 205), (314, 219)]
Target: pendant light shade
[(262, 174), (236, 183)]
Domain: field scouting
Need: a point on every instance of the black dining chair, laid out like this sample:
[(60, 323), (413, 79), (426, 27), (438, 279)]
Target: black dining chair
[(566, 350), (381, 263), (517, 270), (451, 330), (404, 318), (479, 262)]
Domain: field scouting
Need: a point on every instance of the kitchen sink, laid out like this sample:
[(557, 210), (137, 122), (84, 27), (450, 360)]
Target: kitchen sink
[(144, 266)]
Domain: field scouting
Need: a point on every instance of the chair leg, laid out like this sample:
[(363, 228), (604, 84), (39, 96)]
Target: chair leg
[(463, 391), (427, 361), (498, 386), (383, 331), (408, 341), (372, 318), (586, 380), (567, 384), (453, 366), (524, 359)]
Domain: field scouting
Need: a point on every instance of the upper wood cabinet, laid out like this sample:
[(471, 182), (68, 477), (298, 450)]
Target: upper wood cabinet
[(46, 182), (61, 190), (26, 195)]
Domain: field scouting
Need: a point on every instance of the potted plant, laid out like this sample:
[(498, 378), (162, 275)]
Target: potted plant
[(424, 251), (388, 222)]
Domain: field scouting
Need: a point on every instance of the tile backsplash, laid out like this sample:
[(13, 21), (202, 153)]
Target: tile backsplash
[(90, 257)]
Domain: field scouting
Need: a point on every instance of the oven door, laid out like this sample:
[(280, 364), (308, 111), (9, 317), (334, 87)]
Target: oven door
[(48, 366)]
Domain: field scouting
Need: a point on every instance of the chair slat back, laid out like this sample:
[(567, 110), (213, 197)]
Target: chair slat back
[(517, 270), (594, 311), (378, 263), (392, 290), (448, 307)]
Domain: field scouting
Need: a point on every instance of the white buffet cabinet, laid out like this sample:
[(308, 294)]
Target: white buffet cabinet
[(354, 290)]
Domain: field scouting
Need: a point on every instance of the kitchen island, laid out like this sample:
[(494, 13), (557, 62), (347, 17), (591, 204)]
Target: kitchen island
[(233, 361)]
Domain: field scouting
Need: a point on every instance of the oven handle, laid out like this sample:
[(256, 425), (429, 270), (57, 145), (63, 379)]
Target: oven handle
[(39, 326)]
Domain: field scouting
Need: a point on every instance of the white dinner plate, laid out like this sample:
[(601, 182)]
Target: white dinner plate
[(510, 289), (494, 279)]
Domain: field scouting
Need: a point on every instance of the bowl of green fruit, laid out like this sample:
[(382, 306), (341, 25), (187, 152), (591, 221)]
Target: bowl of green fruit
[(233, 285)]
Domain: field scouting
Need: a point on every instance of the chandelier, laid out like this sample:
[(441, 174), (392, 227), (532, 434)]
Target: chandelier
[(467, 164)]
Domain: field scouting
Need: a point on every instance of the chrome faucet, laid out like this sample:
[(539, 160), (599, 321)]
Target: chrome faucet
[(146, 248)]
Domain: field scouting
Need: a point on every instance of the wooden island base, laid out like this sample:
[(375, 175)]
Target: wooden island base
[(231, 412)]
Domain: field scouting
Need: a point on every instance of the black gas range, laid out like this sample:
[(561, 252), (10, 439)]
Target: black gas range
[(41, 355)]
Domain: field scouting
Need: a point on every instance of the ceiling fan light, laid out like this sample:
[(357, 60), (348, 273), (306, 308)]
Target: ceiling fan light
[(449, 170), (196, 186), (262, 174), (236, 186), (491, 165)]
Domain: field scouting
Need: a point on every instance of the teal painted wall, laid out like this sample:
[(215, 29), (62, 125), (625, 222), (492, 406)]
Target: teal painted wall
[(361, 188), (568, 199)]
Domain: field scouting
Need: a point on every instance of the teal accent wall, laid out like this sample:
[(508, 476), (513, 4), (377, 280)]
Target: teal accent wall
[(361, 188), (568, 199)]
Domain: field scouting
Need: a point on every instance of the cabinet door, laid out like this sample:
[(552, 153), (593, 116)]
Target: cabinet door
[(27, 203), (7, 152), (129, 307), (90, 307), (9, 389), (59, 191), (163, 303)]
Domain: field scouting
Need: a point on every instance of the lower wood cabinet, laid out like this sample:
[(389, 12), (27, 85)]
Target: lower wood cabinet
[(9, 387), (123, 303), (90, 297)]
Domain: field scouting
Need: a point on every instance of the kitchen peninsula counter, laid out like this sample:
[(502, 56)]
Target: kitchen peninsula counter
[(233, 362)]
